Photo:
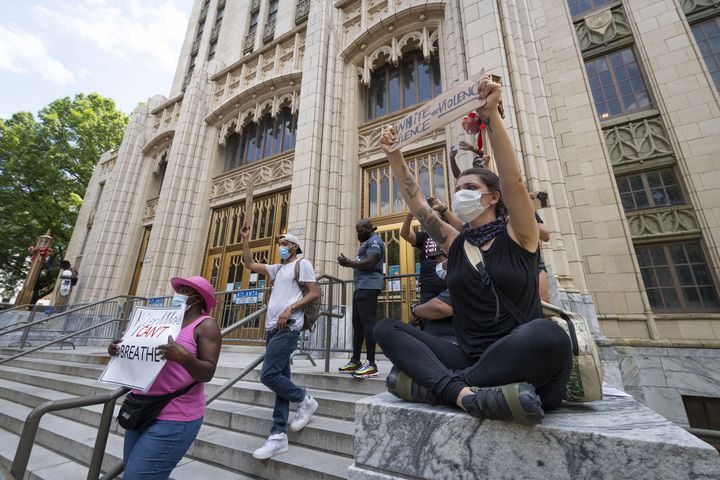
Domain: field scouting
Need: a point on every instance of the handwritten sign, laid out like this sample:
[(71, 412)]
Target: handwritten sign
[(139, 362), (247, 297), (438, 112)]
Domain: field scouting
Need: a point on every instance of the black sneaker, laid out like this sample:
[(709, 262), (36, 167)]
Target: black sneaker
[(349, 367), (515, 402), (405, 388)]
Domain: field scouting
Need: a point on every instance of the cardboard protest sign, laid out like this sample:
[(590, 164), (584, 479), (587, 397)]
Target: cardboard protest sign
[(438, 112), (139, 362), (249, 201)]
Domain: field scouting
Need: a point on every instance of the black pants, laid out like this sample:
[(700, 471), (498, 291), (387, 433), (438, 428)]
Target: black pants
[(538, 352), (363, 319)]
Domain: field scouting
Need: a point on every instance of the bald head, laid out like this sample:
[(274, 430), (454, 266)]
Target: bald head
[(364, 223)]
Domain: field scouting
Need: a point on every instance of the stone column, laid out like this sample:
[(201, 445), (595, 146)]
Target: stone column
[(177, 243)]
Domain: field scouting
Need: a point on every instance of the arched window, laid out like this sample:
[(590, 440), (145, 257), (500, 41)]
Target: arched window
[(392, 88), (256, 141)]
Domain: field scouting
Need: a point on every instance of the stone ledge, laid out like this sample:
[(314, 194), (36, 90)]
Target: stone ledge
[(616, 438)]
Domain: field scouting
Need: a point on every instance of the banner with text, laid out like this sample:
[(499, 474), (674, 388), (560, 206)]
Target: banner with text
[(138, 361), (438, 112)]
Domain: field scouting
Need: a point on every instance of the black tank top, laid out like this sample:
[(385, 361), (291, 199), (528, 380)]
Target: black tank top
[(513, 270)]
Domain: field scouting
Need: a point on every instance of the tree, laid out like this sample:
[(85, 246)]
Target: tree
[(45, 166)]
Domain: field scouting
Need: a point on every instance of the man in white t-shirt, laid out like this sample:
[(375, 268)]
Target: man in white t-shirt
[(283, 322)]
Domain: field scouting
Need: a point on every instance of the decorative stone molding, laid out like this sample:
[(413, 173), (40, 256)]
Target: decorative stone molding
[(274, 170), (167, 116), (150, 209), (215, 32), (637, 142), (361, 15), (268, 104), (269, 31), (657, 223), (91, 218), (603, 27), (393, 51), (302, 11), (249, 43), (254, 5), (691, 7), (108, 166), (369, 133)]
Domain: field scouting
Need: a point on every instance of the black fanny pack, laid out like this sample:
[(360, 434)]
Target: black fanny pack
[(138, 412)]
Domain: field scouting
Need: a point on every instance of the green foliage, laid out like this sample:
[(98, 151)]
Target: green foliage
[(45, 166)]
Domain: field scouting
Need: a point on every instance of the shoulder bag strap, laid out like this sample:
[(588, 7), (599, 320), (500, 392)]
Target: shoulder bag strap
[(474, 254)]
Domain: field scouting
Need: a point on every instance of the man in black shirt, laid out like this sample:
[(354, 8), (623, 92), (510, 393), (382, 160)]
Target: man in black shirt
[(431, 285)]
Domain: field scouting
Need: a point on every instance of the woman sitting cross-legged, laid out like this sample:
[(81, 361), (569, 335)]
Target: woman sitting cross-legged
[(499, 368)]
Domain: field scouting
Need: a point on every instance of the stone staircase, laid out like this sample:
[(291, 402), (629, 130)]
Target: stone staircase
[(235, 424)]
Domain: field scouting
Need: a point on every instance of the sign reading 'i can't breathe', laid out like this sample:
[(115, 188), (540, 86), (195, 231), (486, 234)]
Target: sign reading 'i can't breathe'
[(139, 361)]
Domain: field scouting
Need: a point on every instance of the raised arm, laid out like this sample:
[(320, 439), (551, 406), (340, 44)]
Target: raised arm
[(453, 162), (248, 259), (406, 232), (523, 227), (441, 232)]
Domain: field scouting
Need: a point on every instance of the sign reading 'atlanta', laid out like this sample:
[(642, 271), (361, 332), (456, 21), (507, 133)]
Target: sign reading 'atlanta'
[(438, 112)]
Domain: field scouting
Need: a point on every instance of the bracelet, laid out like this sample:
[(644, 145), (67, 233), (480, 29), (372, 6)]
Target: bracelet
[(442, 212)]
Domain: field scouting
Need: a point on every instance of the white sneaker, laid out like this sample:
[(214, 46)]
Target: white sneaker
[(274, 445), (305, 410)]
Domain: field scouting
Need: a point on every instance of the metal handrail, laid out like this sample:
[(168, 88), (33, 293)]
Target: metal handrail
[(66, 312), (58, 340), (18, 307), (32, 423)]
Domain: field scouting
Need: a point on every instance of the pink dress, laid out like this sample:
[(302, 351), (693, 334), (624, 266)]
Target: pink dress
[(173, 377)]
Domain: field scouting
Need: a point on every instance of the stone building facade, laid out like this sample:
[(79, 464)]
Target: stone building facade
[(613, 108)]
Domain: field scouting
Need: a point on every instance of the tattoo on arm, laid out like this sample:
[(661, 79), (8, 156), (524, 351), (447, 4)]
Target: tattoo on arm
[(411, 186), (486, 121), (432, 225)]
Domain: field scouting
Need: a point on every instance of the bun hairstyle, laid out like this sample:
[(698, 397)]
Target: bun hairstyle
[(492, 181)]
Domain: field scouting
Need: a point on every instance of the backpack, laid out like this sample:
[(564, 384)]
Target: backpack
[(312, 311)]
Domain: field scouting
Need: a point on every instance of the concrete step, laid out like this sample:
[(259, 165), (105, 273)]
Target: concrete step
[(323, 433), (96, 356), (213, 445), (332, 403), (44, 464), (307, 376)]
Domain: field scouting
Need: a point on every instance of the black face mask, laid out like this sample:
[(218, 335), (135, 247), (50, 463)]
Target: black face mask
[(364, 236)]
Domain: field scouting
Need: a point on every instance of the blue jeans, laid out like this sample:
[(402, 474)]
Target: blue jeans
[(280, 344), (151, 454)]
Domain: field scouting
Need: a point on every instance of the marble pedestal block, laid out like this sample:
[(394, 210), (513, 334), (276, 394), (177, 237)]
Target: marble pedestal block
[(616, 438)]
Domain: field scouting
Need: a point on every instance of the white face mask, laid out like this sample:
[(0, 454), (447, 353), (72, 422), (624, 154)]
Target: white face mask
[(179, 300), (467, 205), (440, 271)]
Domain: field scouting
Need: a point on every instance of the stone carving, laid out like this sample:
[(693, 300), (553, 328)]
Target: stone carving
[(302, 11), (637, 142), (693, 6), (369, 134), (393, 51), (376, 9), (274, 171), (602, 27), (352, 19), (254, 5), (249, 42), (215, 32), (269, 31), (150, 208), (659, 223), (108, 166), (266, 104)]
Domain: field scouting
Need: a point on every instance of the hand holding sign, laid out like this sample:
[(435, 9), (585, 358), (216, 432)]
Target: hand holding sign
[(113, 349), (173, 351), (490, 92)]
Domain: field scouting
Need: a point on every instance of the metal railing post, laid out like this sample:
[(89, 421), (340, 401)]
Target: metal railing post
[(101, 440), (328, 328), (26, 331)]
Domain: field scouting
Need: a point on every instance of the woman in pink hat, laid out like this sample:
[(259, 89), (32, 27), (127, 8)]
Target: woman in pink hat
[(151, 454)]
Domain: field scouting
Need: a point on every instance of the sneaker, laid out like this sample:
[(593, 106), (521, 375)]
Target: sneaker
[(405, 388), (274, 445), (515, 402), (305, 410), (367, 370), (349, 367)]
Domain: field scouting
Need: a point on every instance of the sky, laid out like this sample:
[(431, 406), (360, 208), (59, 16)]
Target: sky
[(126, 50)]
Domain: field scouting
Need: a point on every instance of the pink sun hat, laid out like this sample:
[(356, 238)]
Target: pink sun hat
[(200, 285)]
